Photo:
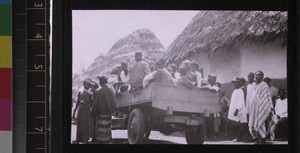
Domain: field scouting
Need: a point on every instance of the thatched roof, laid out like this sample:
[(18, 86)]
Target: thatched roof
[(211, 30)]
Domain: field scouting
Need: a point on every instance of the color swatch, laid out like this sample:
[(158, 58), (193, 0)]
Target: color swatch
[(6, 76)]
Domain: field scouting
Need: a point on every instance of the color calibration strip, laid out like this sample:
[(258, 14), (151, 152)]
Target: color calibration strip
[(6, 76)]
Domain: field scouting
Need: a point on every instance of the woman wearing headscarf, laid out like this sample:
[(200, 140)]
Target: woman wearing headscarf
[(84, 101)]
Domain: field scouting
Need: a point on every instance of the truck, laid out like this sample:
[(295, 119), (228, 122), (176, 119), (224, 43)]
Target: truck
[(166, 108)]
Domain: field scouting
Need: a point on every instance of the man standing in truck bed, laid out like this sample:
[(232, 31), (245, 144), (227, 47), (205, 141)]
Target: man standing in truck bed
[(138, 71)]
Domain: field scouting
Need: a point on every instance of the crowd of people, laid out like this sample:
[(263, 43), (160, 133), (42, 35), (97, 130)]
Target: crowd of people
[(258, 106)]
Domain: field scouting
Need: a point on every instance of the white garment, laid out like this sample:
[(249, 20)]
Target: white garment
[(123, 77), (281, 107), (147, 79), (237, 102), (177, 75), (250, 89), (214, 87), (199, 78)]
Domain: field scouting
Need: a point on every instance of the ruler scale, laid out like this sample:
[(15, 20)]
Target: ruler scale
[(19, 75), (37, 83)]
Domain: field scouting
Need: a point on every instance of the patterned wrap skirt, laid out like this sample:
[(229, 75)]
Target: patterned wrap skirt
[(103, 134)]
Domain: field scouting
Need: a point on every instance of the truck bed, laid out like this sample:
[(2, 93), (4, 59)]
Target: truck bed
[(173, 97)]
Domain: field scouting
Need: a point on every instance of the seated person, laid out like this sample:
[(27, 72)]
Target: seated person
[(122, 74), (173, 71), (280, 113), (211, 79), (195, 69), (160, 74), (191, 75), (184, 80), (204, 82), (121, 71)]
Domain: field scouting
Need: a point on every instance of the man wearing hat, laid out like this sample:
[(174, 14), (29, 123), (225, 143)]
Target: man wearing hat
[(237, 108), (250, 88), (138, 72), (103, 108), (160, 74)]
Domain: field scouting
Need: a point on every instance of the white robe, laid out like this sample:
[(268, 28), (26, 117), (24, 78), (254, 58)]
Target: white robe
[(250, 89), (237, 102)]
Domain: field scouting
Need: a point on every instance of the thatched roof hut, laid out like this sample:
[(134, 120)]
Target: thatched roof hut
[(213, 37), (211, 30)]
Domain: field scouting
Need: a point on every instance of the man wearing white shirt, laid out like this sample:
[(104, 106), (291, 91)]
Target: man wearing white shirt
[(237, 109), (280, 112)]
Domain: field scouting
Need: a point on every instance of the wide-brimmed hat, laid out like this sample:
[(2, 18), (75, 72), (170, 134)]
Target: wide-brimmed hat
[(138, 55)]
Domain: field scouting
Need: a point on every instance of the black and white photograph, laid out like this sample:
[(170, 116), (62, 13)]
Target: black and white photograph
[(179, 77)]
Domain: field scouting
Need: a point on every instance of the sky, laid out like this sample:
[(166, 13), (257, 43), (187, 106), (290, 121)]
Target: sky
[(95, 31)]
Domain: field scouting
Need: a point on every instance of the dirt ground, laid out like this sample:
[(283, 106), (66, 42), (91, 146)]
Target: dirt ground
[(120, 137)]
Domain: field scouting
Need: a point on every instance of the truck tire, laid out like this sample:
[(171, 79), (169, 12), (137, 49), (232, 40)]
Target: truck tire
[(195, 135), (136, 127), (147, 134)]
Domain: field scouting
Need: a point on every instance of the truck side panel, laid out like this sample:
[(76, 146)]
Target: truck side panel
[(183, 99)]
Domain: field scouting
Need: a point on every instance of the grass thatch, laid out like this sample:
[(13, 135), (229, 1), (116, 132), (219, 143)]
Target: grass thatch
[(209, 31)]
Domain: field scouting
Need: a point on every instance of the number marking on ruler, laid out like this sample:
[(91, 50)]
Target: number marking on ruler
[(37, 37)]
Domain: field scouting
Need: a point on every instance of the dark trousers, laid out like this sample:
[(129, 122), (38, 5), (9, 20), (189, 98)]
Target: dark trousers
[(224, 125), (241, 130), (209, 123)]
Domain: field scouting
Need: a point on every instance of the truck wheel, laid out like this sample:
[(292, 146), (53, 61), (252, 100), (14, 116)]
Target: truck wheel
[(195, 134), (147, 134), (136, 127)]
